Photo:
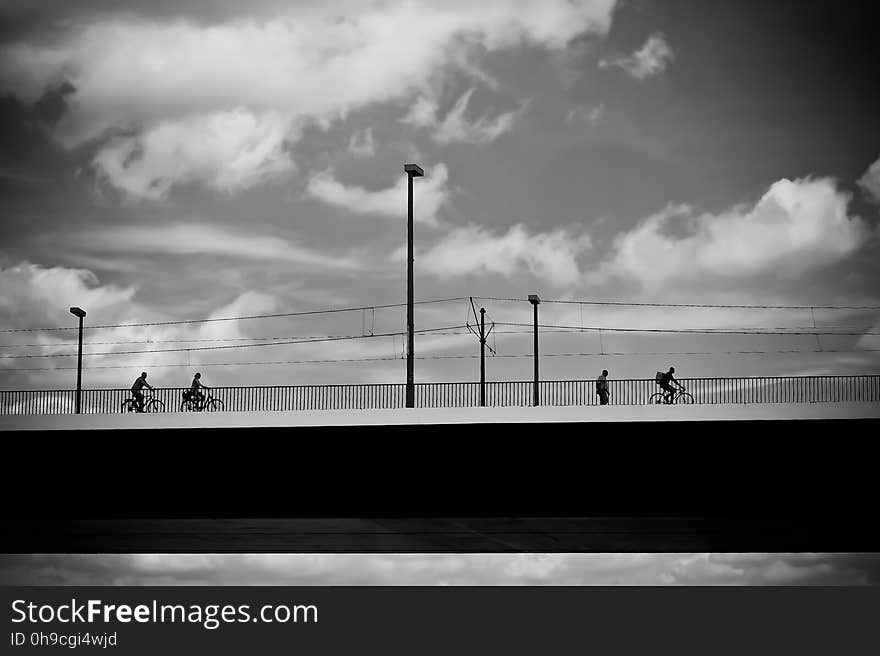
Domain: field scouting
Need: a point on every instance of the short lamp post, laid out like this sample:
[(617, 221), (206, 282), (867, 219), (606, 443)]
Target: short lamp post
[(535, 301), (79, 312), (412, 171)]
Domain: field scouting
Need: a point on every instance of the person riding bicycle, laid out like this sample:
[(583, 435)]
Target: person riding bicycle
[(136, 390), (665, 382), (194, 394)]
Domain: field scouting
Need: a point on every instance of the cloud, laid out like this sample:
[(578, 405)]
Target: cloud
[(164, 78), (796, 226), (440, 569), (227, 151), (455, 127), (777, 569), (580, 113), (35, 296), (870, 181), (550, 256), (422, 114), (38, 296), (362, 144), (649, 60), (208, 239), (429, 194)]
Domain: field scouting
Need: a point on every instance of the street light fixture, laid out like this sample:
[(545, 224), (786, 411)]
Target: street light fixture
[(535, 301), (79, 312), (412, 171)]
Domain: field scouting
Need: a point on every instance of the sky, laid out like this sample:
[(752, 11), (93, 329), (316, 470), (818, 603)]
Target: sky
[(174, 161), (847, 569)]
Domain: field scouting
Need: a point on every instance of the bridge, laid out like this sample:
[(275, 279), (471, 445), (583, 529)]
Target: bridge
[(507, 394), (755, 464)]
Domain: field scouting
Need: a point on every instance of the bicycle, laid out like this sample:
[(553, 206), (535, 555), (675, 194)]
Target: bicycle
[(209, 403), (151, 404), (680, 396)]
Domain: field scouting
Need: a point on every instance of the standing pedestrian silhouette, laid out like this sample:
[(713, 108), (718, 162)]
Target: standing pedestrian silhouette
[(602, 387)]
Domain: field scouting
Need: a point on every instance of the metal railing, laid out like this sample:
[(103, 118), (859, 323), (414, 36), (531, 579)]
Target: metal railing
[(770, 389)]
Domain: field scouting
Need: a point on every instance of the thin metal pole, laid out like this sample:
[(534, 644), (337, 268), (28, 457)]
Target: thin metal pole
[(410, 373), (79, 366), (482, 356), (537, 400)]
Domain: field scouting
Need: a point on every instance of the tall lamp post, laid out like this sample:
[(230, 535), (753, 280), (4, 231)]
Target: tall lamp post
[(412, 171), (79, 312), (535, 301)]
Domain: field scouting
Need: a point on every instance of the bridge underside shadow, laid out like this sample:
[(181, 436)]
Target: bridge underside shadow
[(762, 486), (437, 535)]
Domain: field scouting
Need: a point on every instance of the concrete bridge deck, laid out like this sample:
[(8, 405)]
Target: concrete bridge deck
[(617, 478), (440, 416)]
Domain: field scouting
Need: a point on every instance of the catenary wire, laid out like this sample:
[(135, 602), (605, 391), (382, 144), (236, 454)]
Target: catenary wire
[(448, 357), (709, 331), (227, 346), (689, 305), (239, 318)]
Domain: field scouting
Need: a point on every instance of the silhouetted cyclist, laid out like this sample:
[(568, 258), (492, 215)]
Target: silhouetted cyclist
[(136, 390), (665, 383), (194, 392)]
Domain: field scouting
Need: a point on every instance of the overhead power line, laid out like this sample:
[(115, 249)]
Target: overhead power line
[(786, 330), (691, 305), (239, 318), (707, 331), (445, 300), (444, 357), (212, 340), (228, 346)]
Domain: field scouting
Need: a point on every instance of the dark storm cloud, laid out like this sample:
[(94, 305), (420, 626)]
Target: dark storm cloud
[(28, 155), (52, 105)]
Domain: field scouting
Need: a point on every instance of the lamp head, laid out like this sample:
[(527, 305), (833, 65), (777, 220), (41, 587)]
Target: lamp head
[(533, 299), (79, 312), (414, 170)]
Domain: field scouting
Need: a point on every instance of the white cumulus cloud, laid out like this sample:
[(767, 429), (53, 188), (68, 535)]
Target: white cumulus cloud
[(455, 127), (550, 256), (310, 62), (651, 59), (228, 151), (796, 225), (429, 194), (39, 296), (195, 238)]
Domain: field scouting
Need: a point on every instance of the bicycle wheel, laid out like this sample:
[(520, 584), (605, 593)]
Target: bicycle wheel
[(684, 398), (128, 406), (655, 398), (214, 405), (186, 406), (155, 406)]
